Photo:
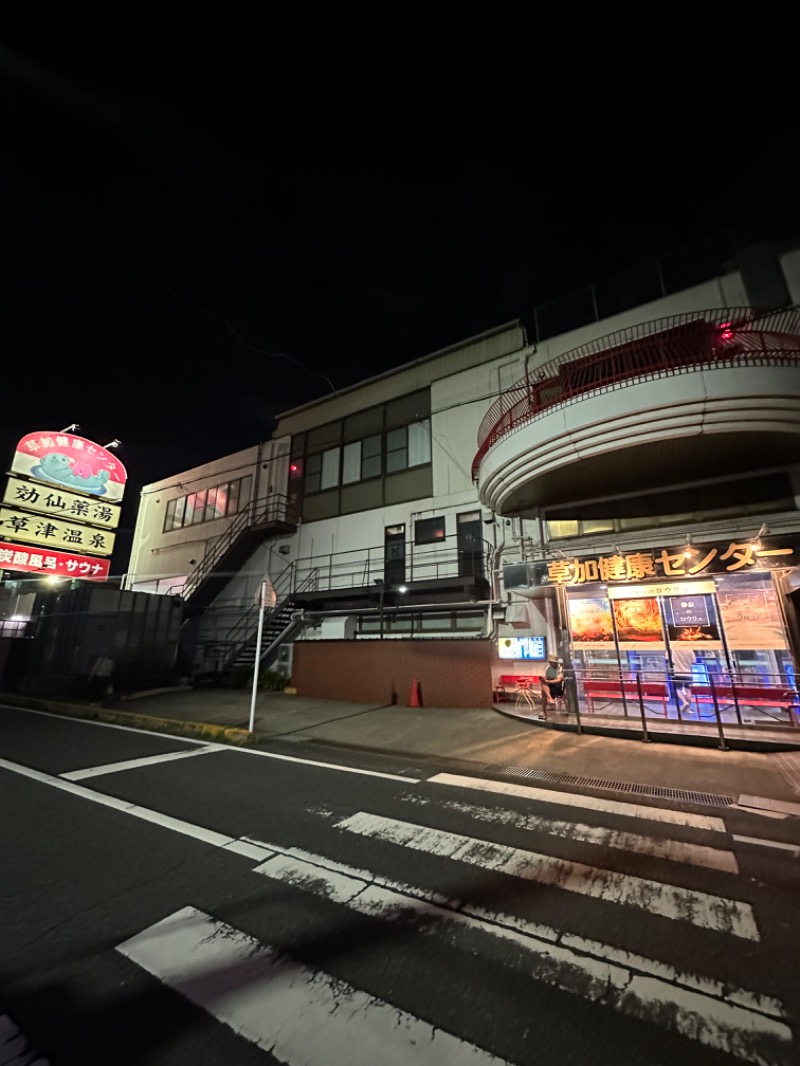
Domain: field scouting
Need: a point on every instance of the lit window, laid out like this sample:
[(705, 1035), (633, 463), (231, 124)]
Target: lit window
[(429, 530), (419, 443), (330, 468)]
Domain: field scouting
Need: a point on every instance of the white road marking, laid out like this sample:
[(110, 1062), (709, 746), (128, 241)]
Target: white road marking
[(134, 764), (111, 725), (222, 747), (669, 901), (198, 832), (673, 850), (325, 765), (593, 803), (303, 1017), (794, 849), (715, 1013)]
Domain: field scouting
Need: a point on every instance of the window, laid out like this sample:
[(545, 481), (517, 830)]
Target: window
[(419, 443), (396, 450), (351, 463), (207, 505), (371, 457), (330, 468), (748, 496), (313, 473), (322, 470), (408, 446), (429, 530)]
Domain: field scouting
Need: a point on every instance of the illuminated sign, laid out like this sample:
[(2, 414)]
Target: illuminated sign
[(656, 564), (60, 503), (71, 463), (54, 563), (41, 529), (63, 496), (522, 648)]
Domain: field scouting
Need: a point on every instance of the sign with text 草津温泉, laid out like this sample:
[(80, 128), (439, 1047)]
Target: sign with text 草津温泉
[(54, 563), (60, 503), (54, 533), (70, 462)]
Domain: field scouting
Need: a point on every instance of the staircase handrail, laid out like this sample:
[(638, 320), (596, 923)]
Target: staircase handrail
[(249, 620), (273, 507)]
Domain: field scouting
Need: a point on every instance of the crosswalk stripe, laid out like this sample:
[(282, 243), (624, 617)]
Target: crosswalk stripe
[(302, 1016), (674, 850), (715, 1013), (592, 803), (700, 908)]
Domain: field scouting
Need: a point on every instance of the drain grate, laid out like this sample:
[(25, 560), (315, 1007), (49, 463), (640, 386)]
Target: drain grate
[(682, 795)]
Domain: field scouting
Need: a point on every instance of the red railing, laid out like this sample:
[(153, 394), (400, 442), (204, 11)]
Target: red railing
[(720, 338)]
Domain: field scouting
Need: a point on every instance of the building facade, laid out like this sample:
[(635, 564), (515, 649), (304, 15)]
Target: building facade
[(624, 493)]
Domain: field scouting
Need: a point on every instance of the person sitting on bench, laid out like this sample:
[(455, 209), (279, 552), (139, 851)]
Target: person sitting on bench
[(552, 684)]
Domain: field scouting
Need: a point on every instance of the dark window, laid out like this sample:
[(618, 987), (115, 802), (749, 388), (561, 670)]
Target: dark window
[(429, 530), (396, 450), (371, 457), (313, 473)]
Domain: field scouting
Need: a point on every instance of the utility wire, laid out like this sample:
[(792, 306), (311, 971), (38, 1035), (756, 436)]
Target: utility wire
[(98, 253)]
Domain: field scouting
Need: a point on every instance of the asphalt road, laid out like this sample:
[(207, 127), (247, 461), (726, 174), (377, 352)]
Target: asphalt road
[(169, 902)]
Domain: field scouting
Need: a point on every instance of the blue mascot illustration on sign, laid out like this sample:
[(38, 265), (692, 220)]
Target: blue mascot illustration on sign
[(62, 470)]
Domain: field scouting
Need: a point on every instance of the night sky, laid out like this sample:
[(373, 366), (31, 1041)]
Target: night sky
[(351, 191)]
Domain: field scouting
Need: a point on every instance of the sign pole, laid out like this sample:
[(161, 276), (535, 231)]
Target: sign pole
[(257, 663)]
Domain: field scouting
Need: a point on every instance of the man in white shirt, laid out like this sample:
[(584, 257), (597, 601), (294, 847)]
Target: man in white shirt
[(552, 684)]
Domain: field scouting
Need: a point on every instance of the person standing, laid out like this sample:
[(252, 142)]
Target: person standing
[(101, 677), (552, 684)]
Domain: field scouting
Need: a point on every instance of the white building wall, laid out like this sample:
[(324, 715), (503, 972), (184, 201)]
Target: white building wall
[(162, 559)]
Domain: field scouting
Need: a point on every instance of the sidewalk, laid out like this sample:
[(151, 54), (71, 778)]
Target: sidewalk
[(478, 737)]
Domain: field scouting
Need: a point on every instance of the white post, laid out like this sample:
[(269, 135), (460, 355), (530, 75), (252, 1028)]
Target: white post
[(257, 663)]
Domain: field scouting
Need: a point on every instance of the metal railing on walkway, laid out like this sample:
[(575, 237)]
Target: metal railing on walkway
[(714, 339), (722, 699)]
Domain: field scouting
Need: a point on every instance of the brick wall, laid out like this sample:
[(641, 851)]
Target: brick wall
[(451, 673)]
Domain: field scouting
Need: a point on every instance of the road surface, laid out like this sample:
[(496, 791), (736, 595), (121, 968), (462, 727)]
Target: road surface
[(173, 902)]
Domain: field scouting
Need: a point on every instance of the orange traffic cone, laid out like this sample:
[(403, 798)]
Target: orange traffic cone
[(415, 700)]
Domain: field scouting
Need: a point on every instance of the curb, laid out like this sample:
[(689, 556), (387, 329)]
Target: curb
[(757, 745), (220, 734)]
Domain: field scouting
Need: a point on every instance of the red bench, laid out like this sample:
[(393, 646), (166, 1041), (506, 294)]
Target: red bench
[(629, 690), (515, 682), (782, 697)]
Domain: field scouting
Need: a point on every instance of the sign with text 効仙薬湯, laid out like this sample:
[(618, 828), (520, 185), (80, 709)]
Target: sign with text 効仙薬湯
[(60, 503)]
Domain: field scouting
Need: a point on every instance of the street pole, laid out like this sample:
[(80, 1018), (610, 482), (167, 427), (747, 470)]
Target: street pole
[(257, 663)]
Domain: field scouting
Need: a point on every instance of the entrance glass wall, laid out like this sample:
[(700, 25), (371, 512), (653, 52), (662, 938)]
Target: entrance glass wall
[(687, 649)]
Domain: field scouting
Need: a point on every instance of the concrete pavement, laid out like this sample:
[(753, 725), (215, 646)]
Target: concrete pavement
[(478, 737)]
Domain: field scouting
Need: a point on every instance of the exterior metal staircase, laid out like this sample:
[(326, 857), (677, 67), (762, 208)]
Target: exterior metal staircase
[(268, 516), (281, 624)]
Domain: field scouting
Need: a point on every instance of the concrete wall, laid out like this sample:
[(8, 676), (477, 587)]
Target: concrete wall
[(456, 673)]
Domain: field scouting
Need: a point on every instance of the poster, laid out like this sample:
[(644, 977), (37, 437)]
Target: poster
[(639, 625), (752, 618), (692, 623), (590, 623)]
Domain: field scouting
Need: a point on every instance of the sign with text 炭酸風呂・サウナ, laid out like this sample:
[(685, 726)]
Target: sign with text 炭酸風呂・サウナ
[(60, 503), (70, 462), (54, 563)]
